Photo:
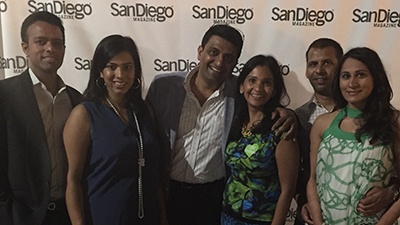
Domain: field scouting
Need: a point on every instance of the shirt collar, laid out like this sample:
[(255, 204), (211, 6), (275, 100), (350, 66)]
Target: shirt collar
[(36, 81), (189, 77), (314, 103)]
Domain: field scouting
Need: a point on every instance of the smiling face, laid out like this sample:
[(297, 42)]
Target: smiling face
[(217, 60), (258, 87), (321, 66), (356, 83), (119, 74), (45, 48)]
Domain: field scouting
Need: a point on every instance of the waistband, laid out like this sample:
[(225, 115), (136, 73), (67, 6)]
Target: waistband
[(184, 185)]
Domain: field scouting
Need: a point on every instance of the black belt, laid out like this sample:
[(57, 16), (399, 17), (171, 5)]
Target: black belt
[(57, 204), (185, 185)]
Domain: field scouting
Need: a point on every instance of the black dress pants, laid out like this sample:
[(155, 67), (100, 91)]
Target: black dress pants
[(195, 204), (57, 214)]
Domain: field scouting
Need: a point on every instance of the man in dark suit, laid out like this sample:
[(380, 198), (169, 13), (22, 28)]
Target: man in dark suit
[(33, 109)]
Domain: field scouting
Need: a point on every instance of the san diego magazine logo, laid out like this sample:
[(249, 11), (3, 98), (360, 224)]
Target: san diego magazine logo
[(303, 16), (143, 12), (62, 9), (223, 14), (16, 64), (384, 18)]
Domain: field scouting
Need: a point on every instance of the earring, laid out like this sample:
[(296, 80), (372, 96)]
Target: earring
[(137, 84), (100, 80)]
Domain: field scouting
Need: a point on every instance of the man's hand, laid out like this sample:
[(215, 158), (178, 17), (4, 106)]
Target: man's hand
[(286, 123), (306, 215), (375, 200)]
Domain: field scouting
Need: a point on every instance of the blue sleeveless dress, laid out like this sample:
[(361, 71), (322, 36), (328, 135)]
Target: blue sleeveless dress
[(111, 172)]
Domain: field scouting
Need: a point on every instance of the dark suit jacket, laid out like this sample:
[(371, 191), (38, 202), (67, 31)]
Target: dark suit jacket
[(304, 113), (25, 167)]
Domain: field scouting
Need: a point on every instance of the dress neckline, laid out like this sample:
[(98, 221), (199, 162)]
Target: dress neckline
[(352, 113)]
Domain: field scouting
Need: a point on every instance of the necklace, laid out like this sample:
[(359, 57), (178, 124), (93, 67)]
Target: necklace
[(141, 160), (116, 111), (247, 132)]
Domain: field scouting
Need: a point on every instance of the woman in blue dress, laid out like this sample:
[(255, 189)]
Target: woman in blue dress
[(111, 143), (263, 166)]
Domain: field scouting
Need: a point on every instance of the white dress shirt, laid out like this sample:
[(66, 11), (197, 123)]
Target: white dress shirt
[(197, 154)]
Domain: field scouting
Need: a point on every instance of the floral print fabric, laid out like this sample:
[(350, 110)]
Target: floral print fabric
[(252, 189)]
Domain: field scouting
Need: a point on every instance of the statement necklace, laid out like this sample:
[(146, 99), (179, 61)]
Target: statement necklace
[(141, 160), (247, 132)]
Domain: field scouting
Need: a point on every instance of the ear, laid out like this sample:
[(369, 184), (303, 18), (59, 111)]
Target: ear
[(241, 91), (101, 75), (200, 51), (25, 48)]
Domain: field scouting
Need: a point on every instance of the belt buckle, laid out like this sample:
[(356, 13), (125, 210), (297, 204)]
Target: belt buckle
[(52, 206)]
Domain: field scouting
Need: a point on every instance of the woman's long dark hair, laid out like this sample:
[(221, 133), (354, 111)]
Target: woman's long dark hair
[(279, 98), (108, 48), (378, 116)]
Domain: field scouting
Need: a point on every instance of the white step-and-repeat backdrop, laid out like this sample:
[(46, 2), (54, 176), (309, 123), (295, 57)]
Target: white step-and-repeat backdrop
[(168, 33)]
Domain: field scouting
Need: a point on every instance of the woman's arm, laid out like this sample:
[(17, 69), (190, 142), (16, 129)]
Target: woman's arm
[(312, 194), (390, 216), (393, 213), (287, 159), (76, 140)]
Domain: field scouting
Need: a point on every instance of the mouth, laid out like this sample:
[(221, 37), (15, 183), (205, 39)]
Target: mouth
[(321, 80), (215, 69), (49, 59), (352, 93), (257, 96), (119, 84)]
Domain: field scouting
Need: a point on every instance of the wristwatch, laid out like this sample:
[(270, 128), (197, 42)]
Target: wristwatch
[(396, 192)]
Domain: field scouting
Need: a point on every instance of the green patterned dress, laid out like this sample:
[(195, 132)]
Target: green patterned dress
[(252, 189), (346, 169)]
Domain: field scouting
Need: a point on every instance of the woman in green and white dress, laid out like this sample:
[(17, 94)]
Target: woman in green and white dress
[(354, 148)]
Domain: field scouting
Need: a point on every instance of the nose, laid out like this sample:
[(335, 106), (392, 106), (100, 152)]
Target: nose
[(49, 46), (219, 59), (353, 81), (321, 68), (118, 72), (258, 86)]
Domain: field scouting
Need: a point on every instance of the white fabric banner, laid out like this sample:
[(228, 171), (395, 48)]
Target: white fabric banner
[(168, 33)]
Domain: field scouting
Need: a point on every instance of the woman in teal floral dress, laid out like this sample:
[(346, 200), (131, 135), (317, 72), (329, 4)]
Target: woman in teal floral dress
[(262, 166)]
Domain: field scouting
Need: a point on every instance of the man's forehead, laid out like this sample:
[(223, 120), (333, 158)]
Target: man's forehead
[(41, 29), (321, 53), (222, 45)]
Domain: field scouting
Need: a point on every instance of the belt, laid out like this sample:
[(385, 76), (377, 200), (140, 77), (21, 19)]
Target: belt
[(185, 185), (57, 204)]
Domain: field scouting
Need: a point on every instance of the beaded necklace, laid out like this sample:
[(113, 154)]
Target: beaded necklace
[(141, 160)]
